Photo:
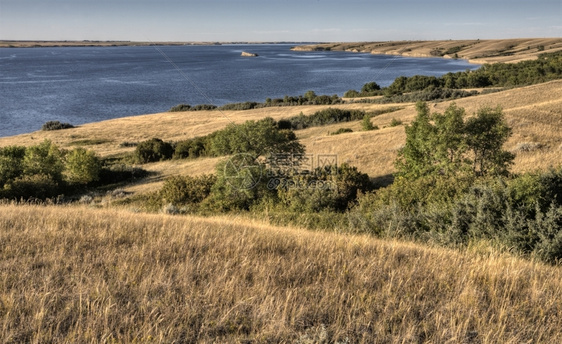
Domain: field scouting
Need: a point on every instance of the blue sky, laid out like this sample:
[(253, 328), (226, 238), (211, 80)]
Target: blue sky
[(277, 20)]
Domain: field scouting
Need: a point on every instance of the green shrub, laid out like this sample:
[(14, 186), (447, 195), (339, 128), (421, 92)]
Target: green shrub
[(324, 117), (192, 148), (180, 108), (203, 107), (351, 94), (240, 184), (82, 166), (39, 186), (395, 122), (119, 173), (153, 150), (342, 131), (241, 106), (366, 123), (11, 163), (185, 190), (43, 159), (56, 125), (330, 188), (257, 138)]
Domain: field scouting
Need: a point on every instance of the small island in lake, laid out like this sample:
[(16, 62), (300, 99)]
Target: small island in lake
[(247, 54)]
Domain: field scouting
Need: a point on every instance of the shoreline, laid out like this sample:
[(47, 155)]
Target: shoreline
[(87, 43), (473, 51)]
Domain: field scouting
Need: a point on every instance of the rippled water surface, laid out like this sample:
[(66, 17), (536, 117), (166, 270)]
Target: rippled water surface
[(80, 85)]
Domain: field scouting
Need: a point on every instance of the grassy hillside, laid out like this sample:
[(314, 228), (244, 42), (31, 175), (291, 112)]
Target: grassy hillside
[(534, 113), (477, 51), (85, 275)]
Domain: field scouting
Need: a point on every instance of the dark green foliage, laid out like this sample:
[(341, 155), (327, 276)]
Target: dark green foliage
[(513, 214), (44, 171), (395, 122), (30, 186), (240, 184), (241, 106), (342, 131), (485, 135), (192, 148), (429, 94), (330, 188), (453, 50), (203, 107), (309, 98), (120, 173), (56, 125), (370, 87), (351, 94), (153, 150), (368, 90), (324, 117), (185, 190), (545, 68), (11, 163), (180, 108)]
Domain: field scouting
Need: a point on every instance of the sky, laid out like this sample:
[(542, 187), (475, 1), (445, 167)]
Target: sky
[(278, 20)]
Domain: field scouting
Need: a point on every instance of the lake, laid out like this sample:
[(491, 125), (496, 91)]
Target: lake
[(81, 85)]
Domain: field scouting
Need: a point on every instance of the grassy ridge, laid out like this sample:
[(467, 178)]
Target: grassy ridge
[(84, 275)]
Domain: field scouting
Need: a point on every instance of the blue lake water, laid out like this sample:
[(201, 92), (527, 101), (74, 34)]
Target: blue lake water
[(80, 85)]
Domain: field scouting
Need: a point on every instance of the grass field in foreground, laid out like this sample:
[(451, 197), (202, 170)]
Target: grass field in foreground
[(85, 275)]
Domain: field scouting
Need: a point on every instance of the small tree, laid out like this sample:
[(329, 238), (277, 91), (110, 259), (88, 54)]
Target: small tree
[(370, 87), (486, 134), (153, 150), (43, 159), (11, 163), (444, 144), (310, 95), (366, 123), (416, 159), (82, 166)]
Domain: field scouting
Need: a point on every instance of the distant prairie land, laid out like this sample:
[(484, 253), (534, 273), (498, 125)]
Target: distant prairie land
[(477, 51)]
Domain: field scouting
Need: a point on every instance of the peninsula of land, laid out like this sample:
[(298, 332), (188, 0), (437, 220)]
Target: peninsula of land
[(475, 51)]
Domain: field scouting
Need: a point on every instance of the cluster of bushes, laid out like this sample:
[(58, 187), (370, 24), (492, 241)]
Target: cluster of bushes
[(309, 98), (546, 67), (342, 131), (429, 94), (56, 125), (370, 89), (257, 187), (261, 137), (427, 88), (322, 117), (520, 214), (187, 107), (45, 171), (453, 187)]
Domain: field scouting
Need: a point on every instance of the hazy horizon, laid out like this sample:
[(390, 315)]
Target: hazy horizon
[(277, 21)]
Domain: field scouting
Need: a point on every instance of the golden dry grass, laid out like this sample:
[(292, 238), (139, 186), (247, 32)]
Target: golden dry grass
[(534, 113), (476, 51), (83, 275)]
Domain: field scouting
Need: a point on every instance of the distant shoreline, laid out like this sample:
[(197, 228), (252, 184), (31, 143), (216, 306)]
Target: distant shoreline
[(87, 43), (474, 51)]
